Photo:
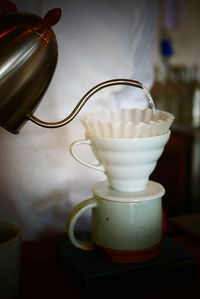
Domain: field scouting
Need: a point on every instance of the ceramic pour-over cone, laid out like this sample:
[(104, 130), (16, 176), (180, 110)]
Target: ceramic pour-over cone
[(126, 162), (127, 143)]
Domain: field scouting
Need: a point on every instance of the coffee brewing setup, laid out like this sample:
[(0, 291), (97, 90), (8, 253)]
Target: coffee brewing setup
[(126, 224), (126, 207)]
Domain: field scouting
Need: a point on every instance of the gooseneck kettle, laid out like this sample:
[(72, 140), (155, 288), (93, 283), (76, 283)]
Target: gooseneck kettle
[(28, 58)]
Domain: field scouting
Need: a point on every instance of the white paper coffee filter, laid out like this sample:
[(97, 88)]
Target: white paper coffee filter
[(126, 123)]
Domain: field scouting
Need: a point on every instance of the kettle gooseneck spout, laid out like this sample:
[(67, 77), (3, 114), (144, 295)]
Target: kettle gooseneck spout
[(88, 95)]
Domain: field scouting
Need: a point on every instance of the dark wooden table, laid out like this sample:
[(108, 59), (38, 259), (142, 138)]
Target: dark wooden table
[(42, 277)]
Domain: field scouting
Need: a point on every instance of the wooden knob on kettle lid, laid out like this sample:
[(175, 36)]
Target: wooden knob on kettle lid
[(6, 6), (52, 17)]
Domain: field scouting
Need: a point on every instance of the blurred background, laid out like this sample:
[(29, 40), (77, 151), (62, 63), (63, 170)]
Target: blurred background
[(176, 89), (156, 42)]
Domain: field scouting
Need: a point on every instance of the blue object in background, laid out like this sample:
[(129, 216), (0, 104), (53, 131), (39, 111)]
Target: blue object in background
[(166, 48)]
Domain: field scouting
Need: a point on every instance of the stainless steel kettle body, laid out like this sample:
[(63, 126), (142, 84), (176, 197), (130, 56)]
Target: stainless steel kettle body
[(28, 58)]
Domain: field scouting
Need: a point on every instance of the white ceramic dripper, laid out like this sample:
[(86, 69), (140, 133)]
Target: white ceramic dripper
[(127, 143), (126, 162)]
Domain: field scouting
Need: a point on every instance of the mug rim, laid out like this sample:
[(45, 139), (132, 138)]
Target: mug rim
[(126, 139), (14, 227)]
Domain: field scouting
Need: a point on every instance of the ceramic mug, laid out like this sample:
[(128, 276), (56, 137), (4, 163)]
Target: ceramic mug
[(127, 162), (10, 251), (125, 227)]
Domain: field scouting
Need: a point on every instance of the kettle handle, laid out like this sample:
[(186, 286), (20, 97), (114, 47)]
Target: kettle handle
[(86, 97)]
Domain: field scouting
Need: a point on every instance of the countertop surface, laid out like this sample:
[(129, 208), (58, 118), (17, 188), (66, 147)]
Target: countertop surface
[(43, 277)]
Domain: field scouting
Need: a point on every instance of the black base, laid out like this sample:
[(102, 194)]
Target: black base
[(91, 272)]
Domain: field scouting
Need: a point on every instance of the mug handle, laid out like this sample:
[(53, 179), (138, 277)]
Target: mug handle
[(72, 149), (76, 212)]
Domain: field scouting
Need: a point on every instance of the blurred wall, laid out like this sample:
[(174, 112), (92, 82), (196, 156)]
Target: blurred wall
[(180, 22)]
